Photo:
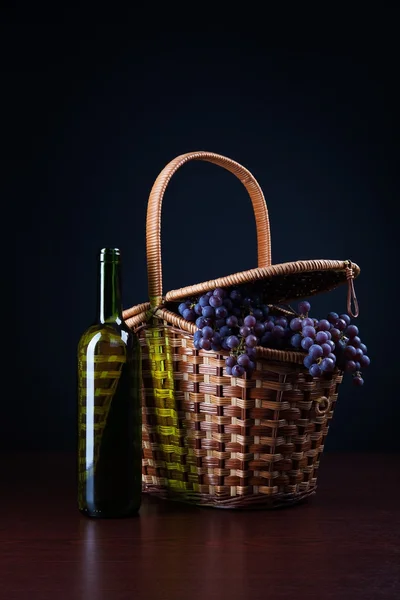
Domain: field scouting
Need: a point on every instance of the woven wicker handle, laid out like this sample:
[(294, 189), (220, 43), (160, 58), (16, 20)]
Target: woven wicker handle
[(153, 222)]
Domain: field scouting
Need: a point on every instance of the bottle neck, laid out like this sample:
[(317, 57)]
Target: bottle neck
[(110, 303)]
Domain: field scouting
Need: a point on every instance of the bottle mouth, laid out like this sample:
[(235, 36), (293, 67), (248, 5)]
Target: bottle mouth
[(110, 255)]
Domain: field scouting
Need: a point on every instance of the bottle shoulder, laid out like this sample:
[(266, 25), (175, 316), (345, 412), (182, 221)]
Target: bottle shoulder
[(115, 334)]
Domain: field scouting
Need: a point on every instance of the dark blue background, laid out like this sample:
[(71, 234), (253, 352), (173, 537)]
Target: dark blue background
[(94, 115)]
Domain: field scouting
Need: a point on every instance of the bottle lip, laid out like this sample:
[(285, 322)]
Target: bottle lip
[(110, 255)]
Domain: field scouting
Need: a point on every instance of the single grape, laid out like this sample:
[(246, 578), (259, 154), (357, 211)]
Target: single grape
[(296, 324), (350, 352), (335, 333), (203, 301), (365, 361), (355, 341), (244, 331), (219, 293), (307, 322), (237, 371), (215, 301), (250, 321), (228, 370), (251, 353), (205, 343), (295, 340), (340, 324), (308, 361), (232, 321), (208, 311), (208, 321), (251, 341), (282, 321), (315, 370), (225, 331), (350, 366), (259, 329), (332, 344), (198, 335), (358, 380), (227, 302), (315, 351), (189, 314), (345, 318), (321, 337), (328, 333), (269, 325), (326, 349), (324, 325), (327, 365), (258, 314), (224, 345), (233, 341), (198, 309), (364, 348), (332, 356), (351, 331), (200, 322), (359, 354), (309, 331), (230, 361), (251, 365), (332, 317), (243, 360), (306, 343), (303, 307), (278, 331), (358, 366), (216, 339)]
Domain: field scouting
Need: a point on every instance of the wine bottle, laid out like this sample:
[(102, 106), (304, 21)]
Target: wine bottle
[(109, 452)]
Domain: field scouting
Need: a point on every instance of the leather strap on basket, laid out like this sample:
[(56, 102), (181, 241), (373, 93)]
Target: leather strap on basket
[(153, 222)]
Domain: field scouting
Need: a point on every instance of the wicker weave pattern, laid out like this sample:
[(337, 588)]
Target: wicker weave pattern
[(217, 440)]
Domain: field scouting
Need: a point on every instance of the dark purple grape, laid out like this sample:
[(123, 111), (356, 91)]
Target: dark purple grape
[(296, 324), (351, 331), (358, 380), (232, 321), (251, 341), (219, 293), (219, 323), (327, 365), (364, 348), (324, 325), (335, 333), (224, 345), (269, 325), (203, 301), (333, 317), (350, 365), (207, 332), (216, 339), (215, 301), (251, 366), (350, 352), (208, 311), (332, 344), (233, 341), (306, 343), (250, 321), (315, 370), (340, 324), (205, 343), (358, 366), (183, 306), (237, 371), (365, 361), (244, 331), (251, 353), (308, 361), (278, 331), (197, 334), (309, 331), (345, 318), (198, 309), (259, 329), (307, 322), (328, 333), (189, 314), (355, 341), (230, 361), (282, 321), (321, 337), (326, 349), (208, 321), (359, 354), (295, 340), (315, 351), (227, 302), (228, 370), (332, 356), (243, 360), (200, 322), (303, 307), (258, 314), (225, 331), (196, 344)]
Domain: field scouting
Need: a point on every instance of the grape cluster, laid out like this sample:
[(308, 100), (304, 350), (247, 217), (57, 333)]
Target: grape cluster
[(237, 322)]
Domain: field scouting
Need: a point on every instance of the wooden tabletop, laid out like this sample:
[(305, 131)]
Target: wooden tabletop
[(344, 543)]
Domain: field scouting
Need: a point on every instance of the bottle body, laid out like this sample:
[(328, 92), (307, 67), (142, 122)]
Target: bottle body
[(109, 411)]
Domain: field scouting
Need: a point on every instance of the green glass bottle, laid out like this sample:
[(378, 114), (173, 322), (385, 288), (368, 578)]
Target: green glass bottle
[(109, 433)]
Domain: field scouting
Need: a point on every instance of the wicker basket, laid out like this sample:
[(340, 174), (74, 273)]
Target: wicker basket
[(215, 440)]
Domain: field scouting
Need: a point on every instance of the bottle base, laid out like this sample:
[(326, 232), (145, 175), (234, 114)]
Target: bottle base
[(102, 514)]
